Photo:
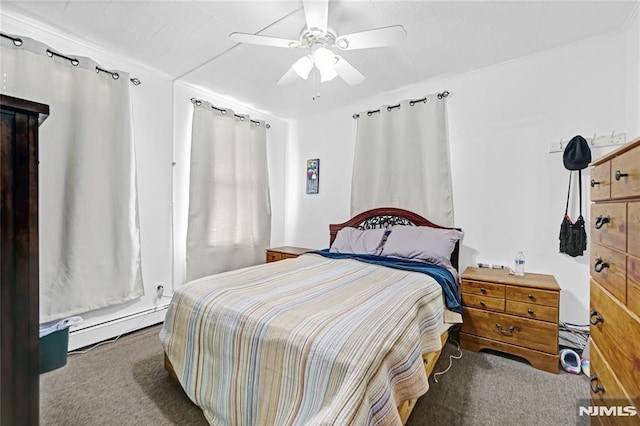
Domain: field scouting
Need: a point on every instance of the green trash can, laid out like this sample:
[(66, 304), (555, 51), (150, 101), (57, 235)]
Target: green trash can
[(53, 350)]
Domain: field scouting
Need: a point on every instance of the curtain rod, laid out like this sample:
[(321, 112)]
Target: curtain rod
[(224, 111), (412, 102), (75, 62)]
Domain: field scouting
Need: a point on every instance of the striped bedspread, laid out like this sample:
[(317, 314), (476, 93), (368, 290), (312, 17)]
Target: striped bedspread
[(305, 341)]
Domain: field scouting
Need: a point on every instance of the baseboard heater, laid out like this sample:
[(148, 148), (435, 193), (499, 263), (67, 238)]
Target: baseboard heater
[(123, 318), (109, 329)]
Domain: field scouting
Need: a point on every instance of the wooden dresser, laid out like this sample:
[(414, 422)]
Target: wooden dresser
[(281, 253), (19, 292), (615, 278), (512, 314)]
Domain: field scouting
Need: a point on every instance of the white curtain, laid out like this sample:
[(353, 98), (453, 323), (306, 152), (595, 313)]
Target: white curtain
[(88, 216), (402, 160), (229, 209)]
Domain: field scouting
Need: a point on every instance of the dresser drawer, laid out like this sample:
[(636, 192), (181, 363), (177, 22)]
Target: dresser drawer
[(617, 336), (530, 310), (483, 289), (609, 268), (534, 296), (633, 226), (483, 302), (609, 225), (633, 284), (607, 391), (607, 384), (628, 164), (600, 181), (532, 334)]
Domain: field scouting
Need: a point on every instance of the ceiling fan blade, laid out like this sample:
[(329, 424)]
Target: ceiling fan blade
[(289, 77), (347, 72), (316, 13), (378, 37), (264, 40)]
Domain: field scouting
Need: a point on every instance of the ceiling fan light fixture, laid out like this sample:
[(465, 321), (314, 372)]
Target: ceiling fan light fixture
[(324, 60), (342, 43), (303, 66)]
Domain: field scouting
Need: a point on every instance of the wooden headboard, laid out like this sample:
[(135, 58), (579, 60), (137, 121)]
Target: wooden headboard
[(386, 217)]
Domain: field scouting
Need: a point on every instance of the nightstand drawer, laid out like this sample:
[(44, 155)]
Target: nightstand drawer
[(530, 310), (532, 295), (483, 302), (532, 334), (483, 288)]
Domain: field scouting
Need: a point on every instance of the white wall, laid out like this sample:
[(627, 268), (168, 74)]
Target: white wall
[(509, 191), (276, 151), (632, 64)]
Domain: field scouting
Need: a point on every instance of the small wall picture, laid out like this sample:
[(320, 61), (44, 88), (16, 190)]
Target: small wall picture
[(313, 176)]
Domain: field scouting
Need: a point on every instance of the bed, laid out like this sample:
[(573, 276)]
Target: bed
[(325, 338)]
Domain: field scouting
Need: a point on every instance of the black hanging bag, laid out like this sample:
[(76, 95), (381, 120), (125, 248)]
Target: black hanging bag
[(573, 236)]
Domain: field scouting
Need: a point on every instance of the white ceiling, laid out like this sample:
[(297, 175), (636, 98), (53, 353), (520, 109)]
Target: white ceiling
[(189, 40)]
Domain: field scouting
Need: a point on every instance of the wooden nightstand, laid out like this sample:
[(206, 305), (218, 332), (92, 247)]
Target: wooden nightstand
[(281, 253), (507, 313)]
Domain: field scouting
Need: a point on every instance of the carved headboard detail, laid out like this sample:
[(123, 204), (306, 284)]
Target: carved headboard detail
[(386, 217)]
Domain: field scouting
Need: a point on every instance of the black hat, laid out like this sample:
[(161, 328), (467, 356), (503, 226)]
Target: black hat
[(577, 154)]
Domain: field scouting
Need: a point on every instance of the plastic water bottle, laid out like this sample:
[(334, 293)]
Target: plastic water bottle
[(519, 264)]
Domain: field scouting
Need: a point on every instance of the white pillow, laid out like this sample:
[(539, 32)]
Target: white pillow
[(433, 245), (357, 241)]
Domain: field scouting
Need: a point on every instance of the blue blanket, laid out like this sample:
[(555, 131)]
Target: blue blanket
[(438, 273)]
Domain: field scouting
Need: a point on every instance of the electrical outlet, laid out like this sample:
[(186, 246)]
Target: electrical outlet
[(159, 290)]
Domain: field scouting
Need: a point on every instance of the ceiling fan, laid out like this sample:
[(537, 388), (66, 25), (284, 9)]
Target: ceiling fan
[(318, 40)]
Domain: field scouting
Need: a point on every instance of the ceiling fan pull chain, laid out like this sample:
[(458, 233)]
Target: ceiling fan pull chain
[(315, 83)]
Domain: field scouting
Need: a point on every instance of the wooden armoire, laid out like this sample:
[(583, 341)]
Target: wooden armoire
[(19, 295)]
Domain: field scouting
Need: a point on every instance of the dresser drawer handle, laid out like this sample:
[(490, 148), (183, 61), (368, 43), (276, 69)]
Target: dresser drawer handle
[(598, 388), (620, 175), (602, 220), (482, 304), (505, 332), (531, 296), (483, 290), (594, 183), (530, 311), (600, 265), (595, 318)]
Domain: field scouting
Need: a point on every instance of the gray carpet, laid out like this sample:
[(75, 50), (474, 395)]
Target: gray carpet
[(124, 383)]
